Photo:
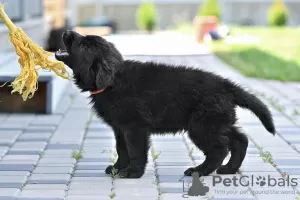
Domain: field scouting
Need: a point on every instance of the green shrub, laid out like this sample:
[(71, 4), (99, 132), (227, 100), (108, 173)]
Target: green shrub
[(146, 16), (210, 8), (278, 14)]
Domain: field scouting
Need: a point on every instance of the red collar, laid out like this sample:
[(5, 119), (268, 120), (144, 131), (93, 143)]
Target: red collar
[(97, 91)]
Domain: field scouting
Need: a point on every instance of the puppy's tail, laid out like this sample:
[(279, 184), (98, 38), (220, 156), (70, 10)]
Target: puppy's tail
[(248, 101)]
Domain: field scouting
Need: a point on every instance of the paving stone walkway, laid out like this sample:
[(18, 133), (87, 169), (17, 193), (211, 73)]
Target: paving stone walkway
[(37, 151)]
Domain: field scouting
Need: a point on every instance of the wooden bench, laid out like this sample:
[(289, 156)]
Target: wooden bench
[(50, 89)]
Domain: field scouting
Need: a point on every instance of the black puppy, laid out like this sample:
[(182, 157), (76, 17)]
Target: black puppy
[(138, 99)]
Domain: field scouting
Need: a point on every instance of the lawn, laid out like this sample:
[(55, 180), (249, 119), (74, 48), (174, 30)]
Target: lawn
[(275, 56)]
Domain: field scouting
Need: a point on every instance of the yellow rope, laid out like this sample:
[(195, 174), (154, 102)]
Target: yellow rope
[(31, 56)]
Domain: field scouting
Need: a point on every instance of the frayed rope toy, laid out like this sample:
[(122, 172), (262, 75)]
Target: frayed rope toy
[(31, 55)]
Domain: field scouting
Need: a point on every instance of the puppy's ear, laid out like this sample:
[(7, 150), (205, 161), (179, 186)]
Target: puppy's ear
[(105, 75)]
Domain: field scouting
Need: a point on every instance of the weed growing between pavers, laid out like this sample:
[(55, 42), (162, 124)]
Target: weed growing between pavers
[(114, 174), (275, 104), (112, 195), (155, 156), (295, 112), (155, 182), (72, 97), (266, 156), (273, 101), (77, 155), (191, 151)]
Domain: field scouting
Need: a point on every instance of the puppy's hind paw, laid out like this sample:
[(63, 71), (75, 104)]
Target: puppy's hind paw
[(189, 171)]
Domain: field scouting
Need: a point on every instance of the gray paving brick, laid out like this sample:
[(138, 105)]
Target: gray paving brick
[(47, 120), (16, 167), (291, 171), (21, 158), (171, 171), (19, 162), (91, 167), (82, 185), (57, 160), (12, 181), (57, 156), (41, 128), (90, 173), (63, 146), (287, 161), (99, 192), (136, 183), (32, 139), (94, 159), (49, 179), (96, 134), (13, 126), (40, 194), (8, 193), (14, 173), (173, 163), (59, 152), (56, 165), (91, 179), (53, 170), (172, 178), (259, 168), (29, 145), (137, 191), (171, 187), (91, 197), (45, 187), (24, 152)]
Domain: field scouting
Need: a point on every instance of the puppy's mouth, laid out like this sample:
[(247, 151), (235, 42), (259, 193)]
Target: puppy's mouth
[(68, 38), (61, 55)]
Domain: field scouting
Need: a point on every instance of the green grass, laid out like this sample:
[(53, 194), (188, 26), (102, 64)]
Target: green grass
[(276, 56)]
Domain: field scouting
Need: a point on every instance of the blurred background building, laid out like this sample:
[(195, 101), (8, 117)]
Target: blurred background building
[(44, 19), (27, 14)]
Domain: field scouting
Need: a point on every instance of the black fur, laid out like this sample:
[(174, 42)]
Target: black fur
[(149, 98)]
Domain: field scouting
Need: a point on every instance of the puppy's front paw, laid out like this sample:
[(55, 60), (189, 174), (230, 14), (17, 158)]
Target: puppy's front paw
[(109, 169), (131, 172)]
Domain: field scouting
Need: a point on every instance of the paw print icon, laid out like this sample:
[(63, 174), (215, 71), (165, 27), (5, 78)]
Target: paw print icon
[(261, 181)]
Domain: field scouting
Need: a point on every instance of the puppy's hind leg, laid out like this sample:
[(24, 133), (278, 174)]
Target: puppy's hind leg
[(123, 157), (209, 134), (215, 154), (238, 148)]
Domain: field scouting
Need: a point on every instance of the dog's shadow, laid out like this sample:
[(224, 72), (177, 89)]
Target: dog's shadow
[(197, 188)]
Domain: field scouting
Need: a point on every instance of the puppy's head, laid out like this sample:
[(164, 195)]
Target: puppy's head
[(94, 60)]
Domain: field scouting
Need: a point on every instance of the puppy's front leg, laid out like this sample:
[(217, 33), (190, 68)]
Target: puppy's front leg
[(123, 158), (137, 146)]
